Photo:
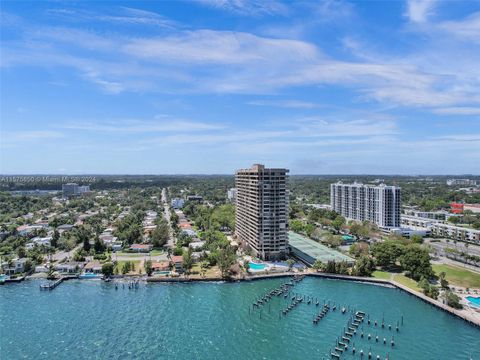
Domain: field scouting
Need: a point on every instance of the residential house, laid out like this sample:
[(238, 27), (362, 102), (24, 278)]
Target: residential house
[(161, 266), (93, 267), (177, 262), (17, 266), (143, 248)]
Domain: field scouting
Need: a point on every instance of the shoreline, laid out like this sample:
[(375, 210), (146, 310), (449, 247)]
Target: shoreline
[(368, 280)]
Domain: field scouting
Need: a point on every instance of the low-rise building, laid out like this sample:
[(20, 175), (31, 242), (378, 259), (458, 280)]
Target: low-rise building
[(454, 182), (456, 233), (177, 262), (161, 266), (93, 267), (177, 203), (414, 221), (45, 241), (17, 266), (195, 198), (196, 245), (143, 248), (117, 246), (69, 268)]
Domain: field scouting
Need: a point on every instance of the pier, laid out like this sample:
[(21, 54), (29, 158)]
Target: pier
[(52, 285)]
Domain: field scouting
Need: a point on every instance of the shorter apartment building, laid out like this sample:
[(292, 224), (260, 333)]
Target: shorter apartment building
[(456, 232)]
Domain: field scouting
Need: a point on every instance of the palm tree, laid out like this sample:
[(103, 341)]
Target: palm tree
[(290, 263)]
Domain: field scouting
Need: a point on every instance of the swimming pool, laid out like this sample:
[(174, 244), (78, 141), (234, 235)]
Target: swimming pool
[(255, 266), (90, 276), (165, 272), (475, 301)]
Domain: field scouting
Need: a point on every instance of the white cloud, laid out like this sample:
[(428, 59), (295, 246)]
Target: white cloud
[(248, 7), (220, 47), (294, 104), (458, 111), (468, 28), (212, 61), (165, 124), (418, 11)]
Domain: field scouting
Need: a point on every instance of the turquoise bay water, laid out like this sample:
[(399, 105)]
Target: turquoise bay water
[(89, 319)]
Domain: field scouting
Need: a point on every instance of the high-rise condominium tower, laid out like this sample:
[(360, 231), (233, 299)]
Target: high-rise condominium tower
[(379, 204), (262, 210)]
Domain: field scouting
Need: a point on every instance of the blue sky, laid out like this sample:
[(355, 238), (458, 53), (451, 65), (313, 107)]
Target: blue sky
[(209, 86)]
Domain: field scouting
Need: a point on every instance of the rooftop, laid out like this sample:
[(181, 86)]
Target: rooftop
[(315, 249)]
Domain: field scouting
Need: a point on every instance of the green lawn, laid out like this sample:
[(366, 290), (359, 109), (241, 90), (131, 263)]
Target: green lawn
[(136, 264), (156, 252), (381, 275), (127, 254), (402, 279), (458, 276)]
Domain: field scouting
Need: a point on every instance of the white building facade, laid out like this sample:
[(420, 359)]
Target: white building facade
[(380, 204)]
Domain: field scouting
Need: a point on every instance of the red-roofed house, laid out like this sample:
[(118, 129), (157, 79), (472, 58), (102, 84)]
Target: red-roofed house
[(141, 247), (178, 263), (161, 266)]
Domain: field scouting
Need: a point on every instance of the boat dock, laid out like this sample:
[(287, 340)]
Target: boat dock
[(52, 285)]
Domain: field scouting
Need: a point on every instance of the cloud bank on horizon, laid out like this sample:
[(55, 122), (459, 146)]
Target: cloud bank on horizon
[(209, 86)]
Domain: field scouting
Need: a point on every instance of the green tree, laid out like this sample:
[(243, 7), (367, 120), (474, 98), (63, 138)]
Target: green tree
[(51, 272), (98, 246), (21, 252), (443, 281), (226, 258), (416, 261), (318, 265), (331, 267), (416, 239), (364, 266), (107, 269), (126, 267), (161, 234), (148, 267), (29, 266), (296, 225), (290, 263), (55, 238), (452, 300), (187, 260), (338, 222), (204, 267), (387, 253)]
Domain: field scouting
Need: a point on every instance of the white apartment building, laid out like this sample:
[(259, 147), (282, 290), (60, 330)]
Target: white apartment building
[(453, 182), (262, 210), (456, 232), (232, 194), (380, 204)]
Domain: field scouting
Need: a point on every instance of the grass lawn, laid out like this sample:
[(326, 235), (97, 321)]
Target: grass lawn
[(381, 275), (136, 263), (402, 279), (213, 271), (458, 276), (156, 252), (127, 254)]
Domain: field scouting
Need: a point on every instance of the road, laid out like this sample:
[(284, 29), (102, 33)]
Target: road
[(65, 254), (442, 244), (166, 215)]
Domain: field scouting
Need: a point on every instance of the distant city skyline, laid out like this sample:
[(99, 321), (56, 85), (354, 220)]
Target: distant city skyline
[(207, 87)]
